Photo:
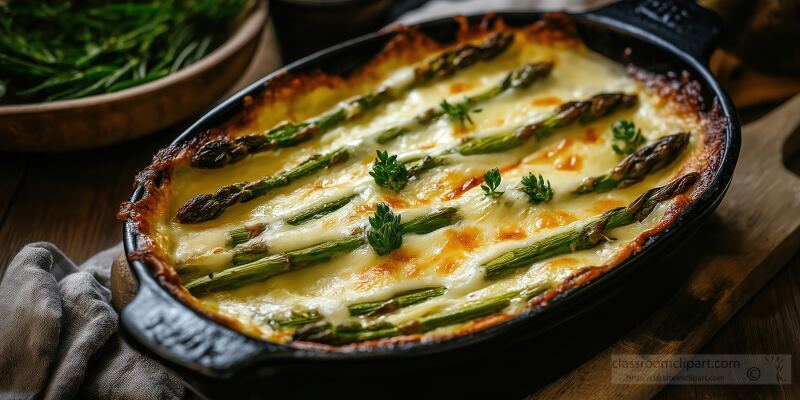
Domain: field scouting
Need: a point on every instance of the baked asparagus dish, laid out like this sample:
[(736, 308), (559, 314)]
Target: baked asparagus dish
[(438, 190)]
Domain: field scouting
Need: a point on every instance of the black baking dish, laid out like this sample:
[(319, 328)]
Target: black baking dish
[(219, 362)]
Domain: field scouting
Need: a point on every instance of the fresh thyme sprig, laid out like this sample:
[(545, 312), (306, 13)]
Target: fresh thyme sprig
[(537, 190), (459, 112), (626, 137), (385, 234), (388, 172), (492, 179)]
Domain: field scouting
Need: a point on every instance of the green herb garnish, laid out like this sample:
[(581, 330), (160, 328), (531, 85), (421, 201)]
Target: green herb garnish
[(388, 172), (537, 190), (459, 112), (492, 179), (54, 50), (385, 234), (626, 137)]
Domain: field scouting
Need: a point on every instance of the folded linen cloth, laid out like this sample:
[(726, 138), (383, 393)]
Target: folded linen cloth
[(59, 333)]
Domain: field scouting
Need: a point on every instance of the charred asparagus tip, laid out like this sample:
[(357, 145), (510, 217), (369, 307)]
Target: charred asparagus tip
[(219, 153), (206, 207), (637, 165), (568, 113)]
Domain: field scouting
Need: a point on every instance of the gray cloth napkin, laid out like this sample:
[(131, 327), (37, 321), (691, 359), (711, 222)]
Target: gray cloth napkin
[(59, 333)]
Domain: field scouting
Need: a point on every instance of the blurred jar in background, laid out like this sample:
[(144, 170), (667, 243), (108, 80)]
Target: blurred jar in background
[(764, 34), (305, 26)]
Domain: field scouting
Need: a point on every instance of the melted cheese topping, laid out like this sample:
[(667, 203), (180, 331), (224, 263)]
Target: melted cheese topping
[(452, 256)]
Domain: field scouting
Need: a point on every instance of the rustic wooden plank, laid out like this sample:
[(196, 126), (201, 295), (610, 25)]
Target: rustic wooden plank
[(753, 234), (768, 324)]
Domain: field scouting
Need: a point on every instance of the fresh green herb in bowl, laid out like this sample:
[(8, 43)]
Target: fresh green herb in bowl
[(58, 50)]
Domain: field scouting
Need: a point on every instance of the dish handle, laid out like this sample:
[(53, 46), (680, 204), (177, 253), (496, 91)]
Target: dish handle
[(682, 23), (178, 337)]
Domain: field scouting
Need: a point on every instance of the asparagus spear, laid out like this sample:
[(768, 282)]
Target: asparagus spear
[(243, 234), (591, 234), (324, 332), (242, 275), (221, 152), (476, 310), (368, 309), (312, 254), (584, 111), (342, 334), (319, 211), (206, 207), (396, 302), (518, 79), (636, 166), (260, 266), (296, 319), (324, 251)]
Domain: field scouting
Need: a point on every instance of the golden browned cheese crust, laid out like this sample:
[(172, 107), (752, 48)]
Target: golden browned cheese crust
[(169, 181)]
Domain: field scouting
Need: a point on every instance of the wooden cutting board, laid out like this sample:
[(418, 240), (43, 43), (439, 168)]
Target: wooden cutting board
[(753, 234)]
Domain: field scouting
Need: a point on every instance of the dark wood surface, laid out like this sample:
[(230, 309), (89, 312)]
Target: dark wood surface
[(68, 199), (769, 323)]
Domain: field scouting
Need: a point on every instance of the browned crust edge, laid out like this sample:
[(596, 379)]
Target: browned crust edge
[(409, 46)]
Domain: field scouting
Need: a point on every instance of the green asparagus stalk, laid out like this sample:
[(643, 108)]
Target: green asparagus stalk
[(325, 332), (584, 112), (590, 234), (369, 309), (316, 253), (520, 78), (206, 207), (242, 275), (258, 266), (396, 302), (326, 250), (241, 235), (319, 211), (636, 166), (430, 222), (296, 319), (476, 310), (244, 234), (221, 152)]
